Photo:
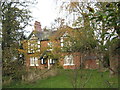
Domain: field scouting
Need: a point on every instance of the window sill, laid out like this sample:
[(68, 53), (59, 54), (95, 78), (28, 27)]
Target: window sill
[(68, 64), (34, 65)]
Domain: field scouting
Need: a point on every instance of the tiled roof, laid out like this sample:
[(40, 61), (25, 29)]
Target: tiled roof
[(43, 35)]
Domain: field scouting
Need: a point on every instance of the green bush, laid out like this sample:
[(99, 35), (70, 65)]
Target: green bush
[(13, 69)]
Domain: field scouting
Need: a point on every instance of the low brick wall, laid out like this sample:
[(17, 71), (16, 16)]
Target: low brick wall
[(69, 67)]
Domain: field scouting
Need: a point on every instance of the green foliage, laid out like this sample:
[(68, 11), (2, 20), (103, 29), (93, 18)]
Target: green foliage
[(109, 16), (106, 25), (83, 40), (13, 69), (115, 46), (14, 20), (63, 80), (15, 17)]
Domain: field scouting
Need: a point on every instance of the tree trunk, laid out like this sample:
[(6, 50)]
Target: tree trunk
[(114, 59), (101, 67)]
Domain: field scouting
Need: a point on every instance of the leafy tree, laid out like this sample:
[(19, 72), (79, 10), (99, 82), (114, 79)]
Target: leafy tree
[(15, 17), (107, 19), (14, 20), (83, 40)]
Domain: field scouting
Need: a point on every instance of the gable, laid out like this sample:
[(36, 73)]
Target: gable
[(33, 37), (30, 35)]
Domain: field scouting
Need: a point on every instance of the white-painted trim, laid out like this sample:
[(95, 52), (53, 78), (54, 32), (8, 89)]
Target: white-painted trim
[(38, 42), (28, 43), (62, 44), (38, 50), (49, 49), (34, 61), (38, 46), (68, 64), (68, 60), (61, 40), (53, 61), (42, 61), (34, 65), (33, 51), (50, 60), (28, 51), (48, 64)]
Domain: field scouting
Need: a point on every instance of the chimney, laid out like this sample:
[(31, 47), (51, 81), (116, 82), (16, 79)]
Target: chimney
[(37, 26)]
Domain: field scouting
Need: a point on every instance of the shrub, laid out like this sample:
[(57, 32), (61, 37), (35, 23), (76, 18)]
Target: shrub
[(13, 69)]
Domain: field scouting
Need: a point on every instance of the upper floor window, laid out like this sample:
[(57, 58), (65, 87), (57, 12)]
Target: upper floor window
[(61, 41), (33, 46), (50, 45), (38, 42), (65, 43)]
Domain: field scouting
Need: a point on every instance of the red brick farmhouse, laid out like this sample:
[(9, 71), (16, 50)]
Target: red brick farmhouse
[(44, 49)]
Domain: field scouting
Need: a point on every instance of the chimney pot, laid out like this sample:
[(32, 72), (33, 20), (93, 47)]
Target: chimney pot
[(37, 26)]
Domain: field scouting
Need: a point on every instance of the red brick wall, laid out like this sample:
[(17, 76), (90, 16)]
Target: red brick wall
[(37, 26), (91, 64), (43, 45)]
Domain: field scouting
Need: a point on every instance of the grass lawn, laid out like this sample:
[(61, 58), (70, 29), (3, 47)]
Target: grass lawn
[(86, 78)]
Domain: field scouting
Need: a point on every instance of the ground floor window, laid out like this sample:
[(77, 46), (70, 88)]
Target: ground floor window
[(33, 61), (43, 61), (68, 60), (52, 61)]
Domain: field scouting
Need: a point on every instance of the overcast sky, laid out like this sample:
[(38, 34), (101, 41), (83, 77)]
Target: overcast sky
[(44, 11)]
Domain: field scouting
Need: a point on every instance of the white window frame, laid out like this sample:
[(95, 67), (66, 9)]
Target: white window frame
[(38, 50), (34, 61), (42, 62), (68, 60), (38, 46), (61, 41), (50, 61), (29, 51), (28, 43), (38, 42), (97, 61), (50, 44), (33, 51), (53, 61)]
